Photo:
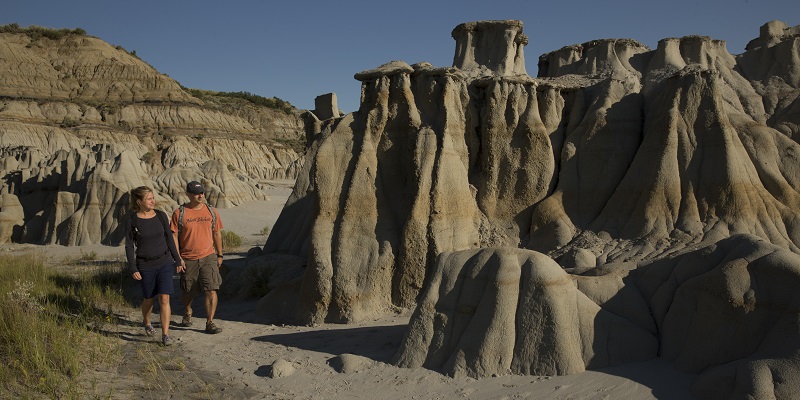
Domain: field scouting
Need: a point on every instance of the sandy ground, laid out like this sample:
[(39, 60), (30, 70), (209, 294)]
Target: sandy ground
[(328, 361)]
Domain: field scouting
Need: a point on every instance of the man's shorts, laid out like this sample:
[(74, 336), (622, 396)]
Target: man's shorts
[(201, 275), (157, 280)]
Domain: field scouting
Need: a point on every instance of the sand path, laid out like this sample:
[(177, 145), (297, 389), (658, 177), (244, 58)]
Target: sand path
[(242, 356)]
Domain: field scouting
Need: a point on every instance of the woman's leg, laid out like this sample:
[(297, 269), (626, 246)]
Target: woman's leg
[(166, 313), (147, 308)]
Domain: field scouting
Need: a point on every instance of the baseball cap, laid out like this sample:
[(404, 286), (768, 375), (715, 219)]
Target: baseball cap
[(195, 187)]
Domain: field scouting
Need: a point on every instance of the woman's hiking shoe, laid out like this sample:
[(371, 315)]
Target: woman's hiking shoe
[(167, 341), (187, 320), (211, 328), (148, 329)]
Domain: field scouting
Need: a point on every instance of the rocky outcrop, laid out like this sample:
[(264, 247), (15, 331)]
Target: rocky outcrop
[(626, 203), (496, 311), (83, 122), (326, 106)]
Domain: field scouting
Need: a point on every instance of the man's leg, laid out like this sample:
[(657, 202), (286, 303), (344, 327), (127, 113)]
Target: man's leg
[(211, 308), (187, 298), (211, 280), (188, 282)]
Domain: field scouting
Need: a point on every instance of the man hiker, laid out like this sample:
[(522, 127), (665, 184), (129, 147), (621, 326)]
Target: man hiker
[(196, 228)]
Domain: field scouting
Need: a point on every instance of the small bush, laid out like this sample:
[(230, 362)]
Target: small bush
[(89, 256), (231, 168), (147, 158), (70, 122), (230, 239), (260, 282), (265, 230)]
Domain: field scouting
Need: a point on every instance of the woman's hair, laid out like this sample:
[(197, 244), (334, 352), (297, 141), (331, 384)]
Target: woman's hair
[(138, 195)]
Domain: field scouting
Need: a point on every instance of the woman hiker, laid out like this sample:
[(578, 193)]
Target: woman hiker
[(155, 258)]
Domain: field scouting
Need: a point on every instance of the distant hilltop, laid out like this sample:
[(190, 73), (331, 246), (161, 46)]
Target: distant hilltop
[(82, 122)]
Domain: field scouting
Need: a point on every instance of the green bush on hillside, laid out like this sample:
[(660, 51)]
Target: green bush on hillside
[(37, 32), (274, 102)]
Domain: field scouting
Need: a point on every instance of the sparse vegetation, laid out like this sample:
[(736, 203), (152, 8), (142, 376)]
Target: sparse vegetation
[(70, 122), (265, 230), (230, 239), (104, 108), (273, 102), (37, 32), (88, 256), (260, 281), (48, 324), (297, 144), (147, 158), (132, 53), (231, 168)]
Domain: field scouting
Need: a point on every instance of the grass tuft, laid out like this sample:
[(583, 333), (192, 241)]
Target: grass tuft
[(230, 239), (46, 325)]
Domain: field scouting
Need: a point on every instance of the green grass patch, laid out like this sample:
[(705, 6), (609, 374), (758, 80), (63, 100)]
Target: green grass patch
[(230, 239), (49, 324)]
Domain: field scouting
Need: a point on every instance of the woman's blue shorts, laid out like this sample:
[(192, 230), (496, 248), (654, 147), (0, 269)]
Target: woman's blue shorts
[(157, 280)]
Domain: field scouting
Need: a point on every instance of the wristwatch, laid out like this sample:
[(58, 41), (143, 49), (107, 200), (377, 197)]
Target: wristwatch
[(219, 255)]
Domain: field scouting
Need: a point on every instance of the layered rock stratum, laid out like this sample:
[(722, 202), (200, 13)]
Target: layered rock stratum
[(626, 203), (82, 122)]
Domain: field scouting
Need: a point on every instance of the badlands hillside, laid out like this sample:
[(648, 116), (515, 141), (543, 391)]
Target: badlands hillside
[(627, 203), (82, 122)]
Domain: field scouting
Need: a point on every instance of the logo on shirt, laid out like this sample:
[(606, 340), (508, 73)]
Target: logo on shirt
[(198, 219)]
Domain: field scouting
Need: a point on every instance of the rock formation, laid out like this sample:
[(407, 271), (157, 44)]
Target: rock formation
[(626, 203), (83, 122), (326, 106)]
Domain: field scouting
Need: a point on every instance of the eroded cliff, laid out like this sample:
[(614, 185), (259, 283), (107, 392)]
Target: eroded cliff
[(83, 122), (624, 204)]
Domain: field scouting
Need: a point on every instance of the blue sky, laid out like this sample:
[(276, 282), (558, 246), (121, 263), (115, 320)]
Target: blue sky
[(297, 50)]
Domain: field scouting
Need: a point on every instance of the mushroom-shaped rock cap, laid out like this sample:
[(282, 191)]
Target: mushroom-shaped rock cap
[(496, 45), (390, 68)]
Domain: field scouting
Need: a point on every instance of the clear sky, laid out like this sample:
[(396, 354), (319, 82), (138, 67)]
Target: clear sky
[(297, 50)]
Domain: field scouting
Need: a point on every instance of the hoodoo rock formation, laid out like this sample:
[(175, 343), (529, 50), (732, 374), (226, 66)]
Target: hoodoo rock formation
[(625, 204), (83, 122)]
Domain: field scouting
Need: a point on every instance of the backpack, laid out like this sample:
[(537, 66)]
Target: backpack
[(161, 217), (213, 218)]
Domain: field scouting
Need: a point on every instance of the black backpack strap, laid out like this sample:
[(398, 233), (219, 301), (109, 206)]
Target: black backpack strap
[(134, 228), (213, 218), (162, 216), (180, 217)]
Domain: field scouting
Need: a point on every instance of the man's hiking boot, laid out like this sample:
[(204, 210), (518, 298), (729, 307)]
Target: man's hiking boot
[(187, 320), (211, 328)]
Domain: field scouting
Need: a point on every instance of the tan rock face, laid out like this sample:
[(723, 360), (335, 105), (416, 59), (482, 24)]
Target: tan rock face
[(664, 181), (82, 123), (80, 68)]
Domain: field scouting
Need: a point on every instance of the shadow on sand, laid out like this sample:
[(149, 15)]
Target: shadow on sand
[(347, 340)]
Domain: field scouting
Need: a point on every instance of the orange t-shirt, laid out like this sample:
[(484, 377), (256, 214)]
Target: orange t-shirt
[(195, 240)]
